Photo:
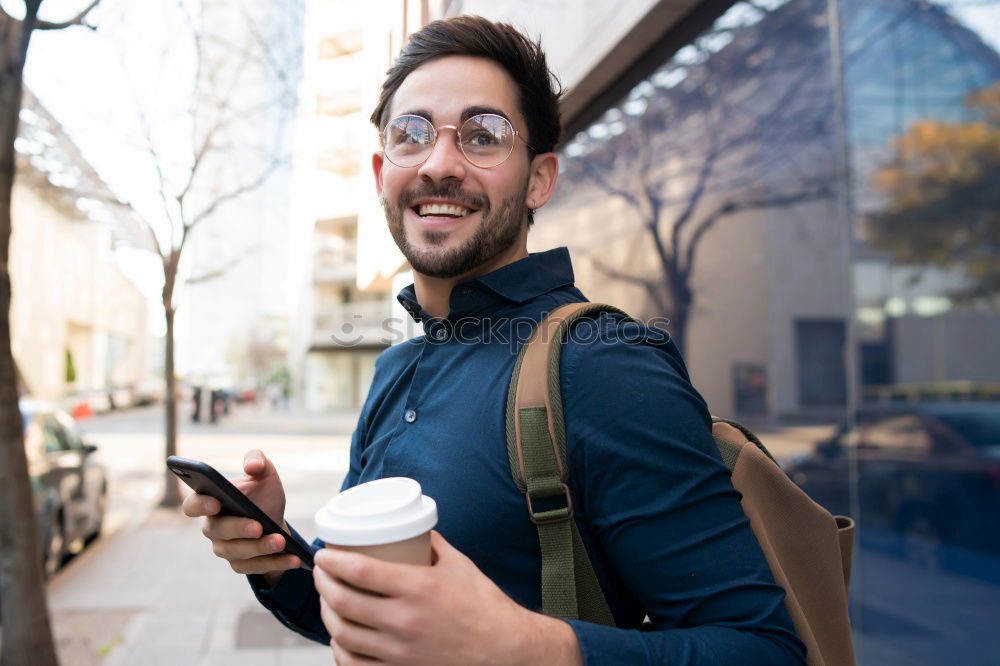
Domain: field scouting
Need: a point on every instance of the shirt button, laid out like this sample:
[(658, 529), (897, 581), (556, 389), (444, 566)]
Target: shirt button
[(440, 334), (410, 416)]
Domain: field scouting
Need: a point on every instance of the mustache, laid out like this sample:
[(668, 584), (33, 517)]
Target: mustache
[(451, 191)]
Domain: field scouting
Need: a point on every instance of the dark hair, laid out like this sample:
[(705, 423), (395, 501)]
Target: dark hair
[(538, 89)]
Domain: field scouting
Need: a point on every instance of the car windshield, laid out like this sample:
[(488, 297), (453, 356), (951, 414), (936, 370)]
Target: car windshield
[(981, 428)]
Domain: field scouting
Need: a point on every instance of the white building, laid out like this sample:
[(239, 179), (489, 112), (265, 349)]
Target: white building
[(346, 312), (77, 322)]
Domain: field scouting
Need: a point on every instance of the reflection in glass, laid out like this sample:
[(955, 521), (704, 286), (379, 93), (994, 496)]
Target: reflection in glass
[(707, 195), (923, 91)]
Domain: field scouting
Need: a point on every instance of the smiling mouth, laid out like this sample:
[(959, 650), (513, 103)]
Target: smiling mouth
[(441, 210)]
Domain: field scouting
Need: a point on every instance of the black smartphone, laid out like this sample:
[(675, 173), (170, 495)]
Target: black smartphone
[(206, 480)]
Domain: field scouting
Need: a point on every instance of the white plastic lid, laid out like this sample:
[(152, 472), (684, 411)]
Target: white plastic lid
[(377, 512)]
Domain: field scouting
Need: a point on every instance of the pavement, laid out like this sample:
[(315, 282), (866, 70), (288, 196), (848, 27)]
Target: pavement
[(150, 591)]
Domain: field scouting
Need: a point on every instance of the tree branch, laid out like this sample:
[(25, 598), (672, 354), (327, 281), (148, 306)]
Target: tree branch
[(76, 20), (161, 178), (730, 207), (699, 190), (113, 200), (219, 271), (153, 155), (618, 275), (598, 178), (649, 285), (233, 194), (197, 159)]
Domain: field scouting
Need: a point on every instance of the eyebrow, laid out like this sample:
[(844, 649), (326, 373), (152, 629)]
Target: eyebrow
[(467, 113), (470, 111)]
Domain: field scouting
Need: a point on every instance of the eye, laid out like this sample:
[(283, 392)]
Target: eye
[(480, 138)]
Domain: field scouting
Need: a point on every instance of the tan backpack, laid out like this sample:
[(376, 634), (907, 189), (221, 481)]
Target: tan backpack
[(808, 550)]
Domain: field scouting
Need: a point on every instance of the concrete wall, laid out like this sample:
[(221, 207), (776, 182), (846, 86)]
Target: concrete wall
[(68, 294), (953, 345)]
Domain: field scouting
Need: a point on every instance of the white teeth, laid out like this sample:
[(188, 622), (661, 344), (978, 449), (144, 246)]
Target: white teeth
[(442, 209)]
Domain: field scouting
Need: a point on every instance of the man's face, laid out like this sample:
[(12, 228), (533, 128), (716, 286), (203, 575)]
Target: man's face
[(420, 203)]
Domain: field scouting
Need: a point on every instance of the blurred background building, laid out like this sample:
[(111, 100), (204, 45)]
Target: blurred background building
[(78, 323), (346, 312)]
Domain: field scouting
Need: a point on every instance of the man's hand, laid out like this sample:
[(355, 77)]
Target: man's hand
[(448, 613), (240, 540)]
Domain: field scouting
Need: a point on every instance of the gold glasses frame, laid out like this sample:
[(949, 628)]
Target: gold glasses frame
[(436, 133)]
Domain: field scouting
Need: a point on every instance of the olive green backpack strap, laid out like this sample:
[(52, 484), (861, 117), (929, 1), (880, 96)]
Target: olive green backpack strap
[(536, 447)]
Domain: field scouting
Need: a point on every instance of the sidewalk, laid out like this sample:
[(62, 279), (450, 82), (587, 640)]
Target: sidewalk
[(154, 595), (150, 592)]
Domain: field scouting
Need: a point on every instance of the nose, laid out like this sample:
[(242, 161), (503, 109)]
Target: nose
[(446, 160)]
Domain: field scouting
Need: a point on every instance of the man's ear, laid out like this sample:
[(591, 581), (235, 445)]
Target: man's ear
[(542, 179), (377, 161)]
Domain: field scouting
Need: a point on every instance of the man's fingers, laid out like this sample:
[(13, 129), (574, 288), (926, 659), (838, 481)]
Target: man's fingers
[(265, 564), (355, 641), (256, 464), (344, 658), (389, 579), (245, 549), (196, 505), (233, 527), (355, 605)]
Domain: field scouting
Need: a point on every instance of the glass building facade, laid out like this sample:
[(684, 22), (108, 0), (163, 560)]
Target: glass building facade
[(810, 192)]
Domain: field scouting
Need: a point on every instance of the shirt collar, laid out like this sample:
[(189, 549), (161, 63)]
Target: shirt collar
[(517, 282)]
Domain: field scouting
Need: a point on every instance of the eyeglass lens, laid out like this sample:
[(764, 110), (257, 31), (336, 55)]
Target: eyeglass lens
[(486, 140)]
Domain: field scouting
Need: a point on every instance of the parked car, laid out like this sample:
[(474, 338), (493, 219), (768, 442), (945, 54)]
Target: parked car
[(87, 403), (69, 486), (927, 475), (121, 397), (149, 391)]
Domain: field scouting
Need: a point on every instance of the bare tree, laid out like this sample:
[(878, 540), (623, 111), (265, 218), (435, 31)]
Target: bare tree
[(243, 90), (738, 121), (27, 632)]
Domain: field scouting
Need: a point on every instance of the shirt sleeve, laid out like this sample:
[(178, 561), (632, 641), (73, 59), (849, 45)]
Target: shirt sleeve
[(660, 518), (294, 600)]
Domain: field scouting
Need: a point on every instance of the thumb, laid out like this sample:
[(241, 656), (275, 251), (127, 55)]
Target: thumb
[(256, 464), (444, 551)]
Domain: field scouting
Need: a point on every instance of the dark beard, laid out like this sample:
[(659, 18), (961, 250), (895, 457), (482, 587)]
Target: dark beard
[(497, 231)]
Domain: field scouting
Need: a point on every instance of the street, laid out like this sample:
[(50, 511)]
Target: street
[(149, 590)]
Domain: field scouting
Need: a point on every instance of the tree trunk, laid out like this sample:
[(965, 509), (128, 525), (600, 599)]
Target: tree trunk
[(171, 492), (680, 312), (27, 632)]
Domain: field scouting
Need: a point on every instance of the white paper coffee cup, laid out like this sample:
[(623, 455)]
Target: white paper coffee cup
[(389, 518)]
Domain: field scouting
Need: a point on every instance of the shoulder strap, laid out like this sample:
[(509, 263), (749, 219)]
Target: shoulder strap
[(536, 448)]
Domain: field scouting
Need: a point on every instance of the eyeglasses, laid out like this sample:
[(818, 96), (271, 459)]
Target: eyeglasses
[(486, 140)]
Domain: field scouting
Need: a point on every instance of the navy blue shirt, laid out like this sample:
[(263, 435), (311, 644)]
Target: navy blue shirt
[(654, 504)]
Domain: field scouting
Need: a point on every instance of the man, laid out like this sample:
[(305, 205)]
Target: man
[(469, 120)]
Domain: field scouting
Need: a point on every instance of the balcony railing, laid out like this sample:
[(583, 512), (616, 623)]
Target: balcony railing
[(335, 261), (354, 324)]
